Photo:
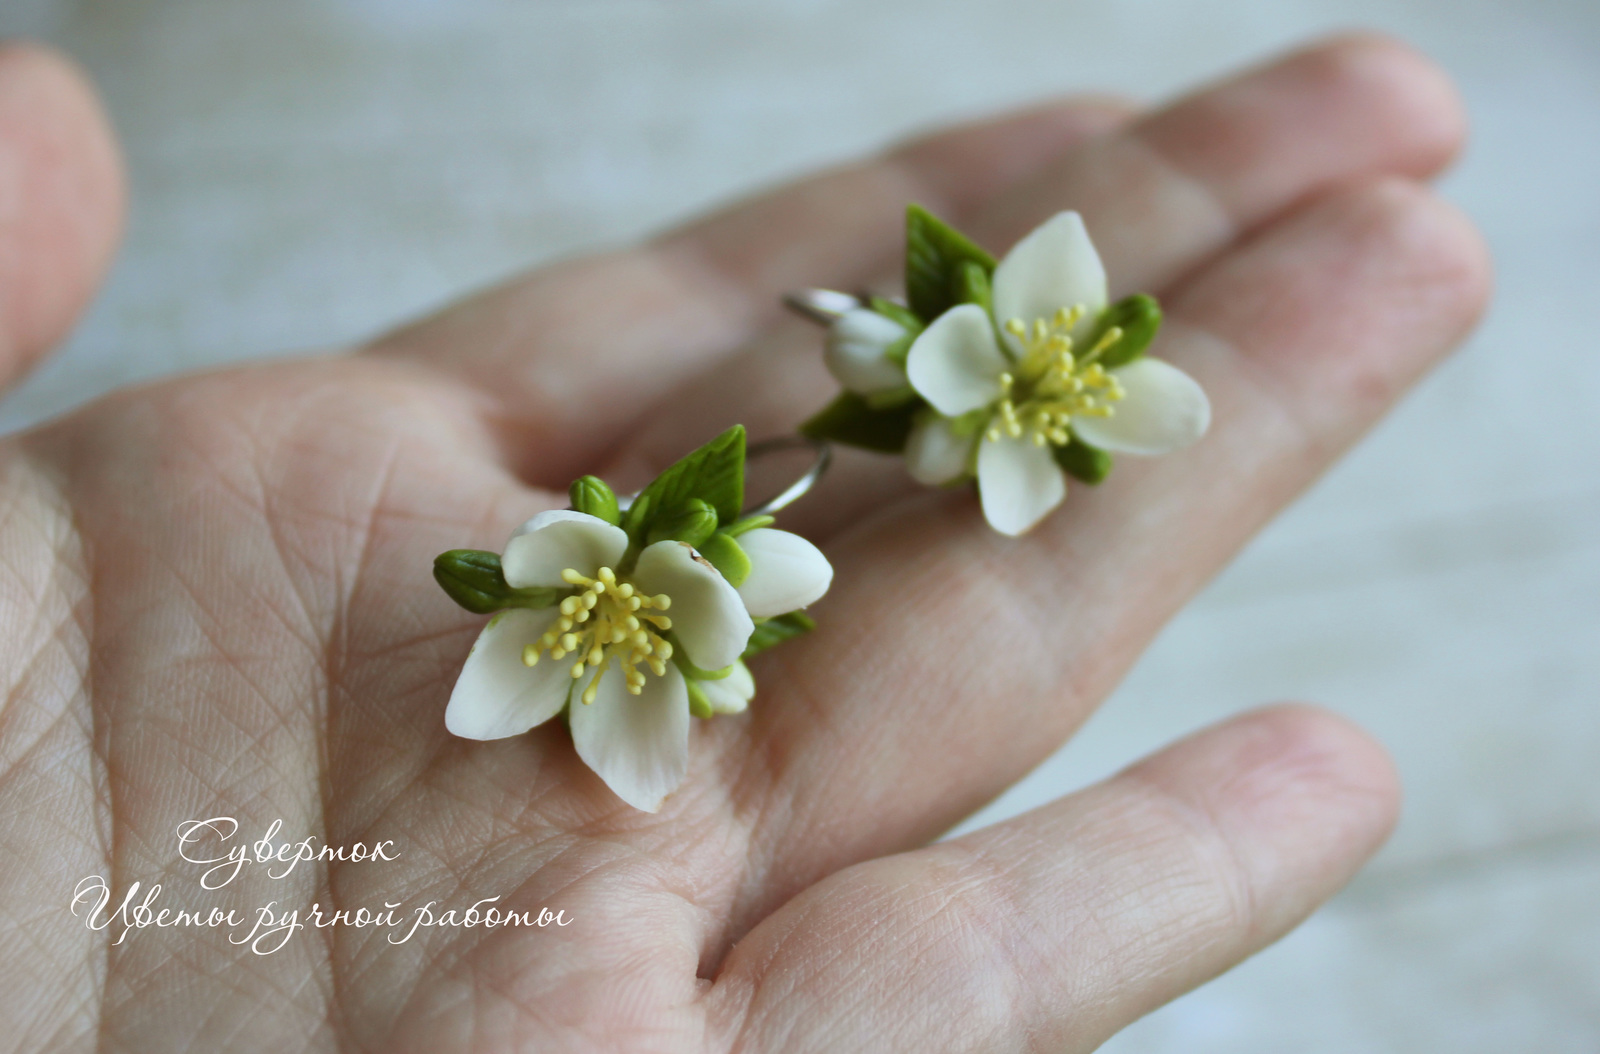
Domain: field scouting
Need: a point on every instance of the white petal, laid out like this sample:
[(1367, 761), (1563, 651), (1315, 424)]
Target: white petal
[(955, 363), (1019, 483), (496, 696), (638, 744), (733, 693), (708, 615), (854, 352), (1054, 267), (1165, 409), (786, 572), (935, 455), (552, 541)]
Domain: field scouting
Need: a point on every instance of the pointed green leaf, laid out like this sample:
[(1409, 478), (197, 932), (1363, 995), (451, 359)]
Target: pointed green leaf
[(853, 421), (1082, 461), (935, 253), (714, 474), (473, 578), (693, 522), (1139, 319), (777, 630), (591, 495), (728, 557)]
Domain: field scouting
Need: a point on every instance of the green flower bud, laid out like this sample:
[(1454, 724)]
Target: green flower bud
[(591, 495), (728, 557), (474, 580), (1137, 317), (692, 522)]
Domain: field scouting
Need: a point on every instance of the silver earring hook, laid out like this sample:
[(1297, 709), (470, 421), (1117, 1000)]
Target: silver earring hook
[(822, 306), (822, 455)]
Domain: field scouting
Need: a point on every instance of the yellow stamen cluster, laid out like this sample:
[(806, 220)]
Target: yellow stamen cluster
[(1051, 385), (608, 620)]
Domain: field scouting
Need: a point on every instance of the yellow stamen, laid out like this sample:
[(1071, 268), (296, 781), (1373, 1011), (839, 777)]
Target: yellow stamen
[(1050, 385), (594, 687), (610, 619)]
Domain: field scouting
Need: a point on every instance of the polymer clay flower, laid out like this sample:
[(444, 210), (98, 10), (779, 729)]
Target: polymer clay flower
[(859, 351), (1034, 371), (1017, 374), (629, 636)]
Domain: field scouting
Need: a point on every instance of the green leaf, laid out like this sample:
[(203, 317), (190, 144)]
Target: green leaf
[(892, 398), (777, 630), (1082, 461), (714, 474), (591, 495), (1139, 319), (728, 557), (693, 522), (935, 253), (699, 705), (473, 578), (896, 313), (853, 421)]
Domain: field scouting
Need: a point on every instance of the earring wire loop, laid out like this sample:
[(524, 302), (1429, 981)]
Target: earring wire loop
[(822, 456)]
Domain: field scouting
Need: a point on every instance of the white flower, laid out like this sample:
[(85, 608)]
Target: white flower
[(786, 573), (855, 352), (730, 694), (606, 648), (1020, 384)]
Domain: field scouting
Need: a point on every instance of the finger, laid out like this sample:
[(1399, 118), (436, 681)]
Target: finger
[(1182, 183), (61, 202), (1056, 929), (1160, 196), (574, 352), (941, 639)]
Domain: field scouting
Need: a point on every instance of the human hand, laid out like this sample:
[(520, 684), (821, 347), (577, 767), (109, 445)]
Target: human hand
[(217, 602)]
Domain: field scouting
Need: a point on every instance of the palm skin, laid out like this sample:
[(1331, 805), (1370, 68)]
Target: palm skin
[(217, 602)]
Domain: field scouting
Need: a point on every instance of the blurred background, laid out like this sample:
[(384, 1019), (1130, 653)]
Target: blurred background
[(306, 173)]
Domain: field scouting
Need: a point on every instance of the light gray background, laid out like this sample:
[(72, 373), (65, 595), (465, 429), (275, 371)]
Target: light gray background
[(306, 173)]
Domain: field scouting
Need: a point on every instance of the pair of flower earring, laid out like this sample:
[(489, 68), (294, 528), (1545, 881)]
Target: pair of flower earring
[(631, 616)]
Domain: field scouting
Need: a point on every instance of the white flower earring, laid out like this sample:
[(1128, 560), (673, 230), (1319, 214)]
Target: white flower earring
[(1014, 375), (630, 620)]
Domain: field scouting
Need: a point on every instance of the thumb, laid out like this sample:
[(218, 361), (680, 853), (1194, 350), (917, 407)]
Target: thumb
[(61, 202)]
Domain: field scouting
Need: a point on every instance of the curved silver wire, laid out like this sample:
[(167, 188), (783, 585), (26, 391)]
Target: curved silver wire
[(822, 306), (822, 455)]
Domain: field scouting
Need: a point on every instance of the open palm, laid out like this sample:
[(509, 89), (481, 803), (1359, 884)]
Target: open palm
[(217, 603)]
